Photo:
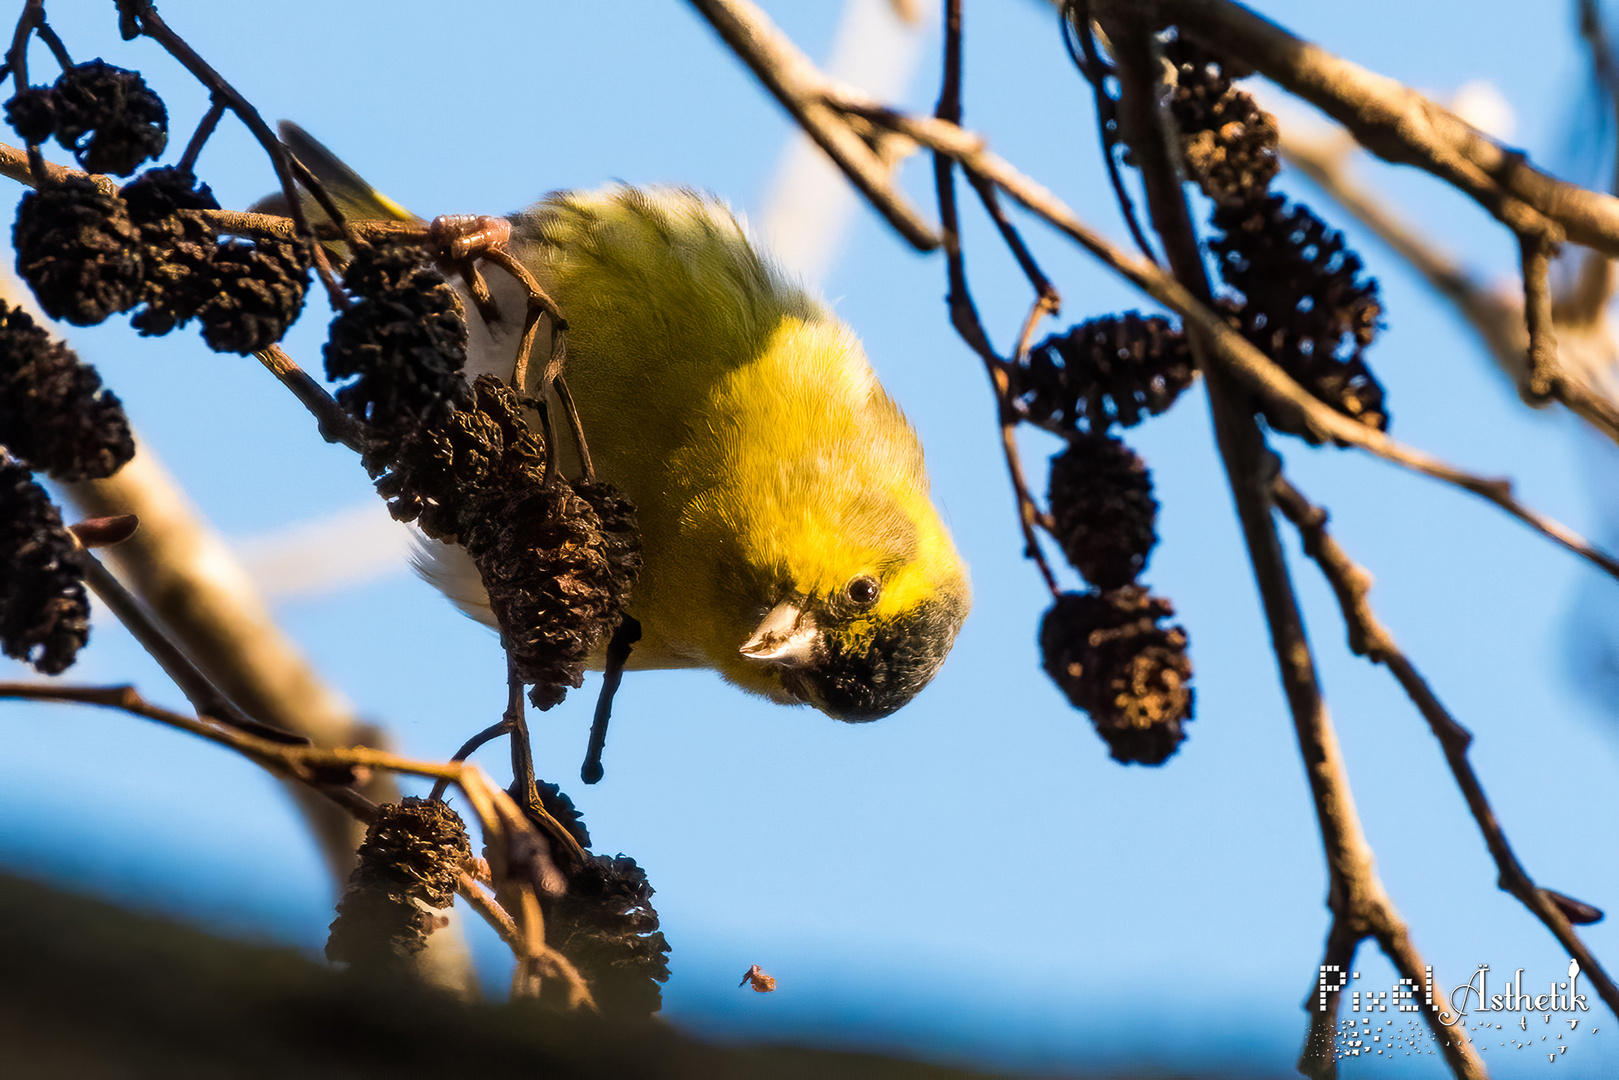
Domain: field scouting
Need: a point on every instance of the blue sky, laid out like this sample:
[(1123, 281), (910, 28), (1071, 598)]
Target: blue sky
[(971, 878)]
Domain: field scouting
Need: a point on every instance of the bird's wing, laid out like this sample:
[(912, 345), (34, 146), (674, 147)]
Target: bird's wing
[(348, 190)]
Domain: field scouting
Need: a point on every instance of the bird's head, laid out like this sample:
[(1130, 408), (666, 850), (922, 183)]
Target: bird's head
[(858, 645)]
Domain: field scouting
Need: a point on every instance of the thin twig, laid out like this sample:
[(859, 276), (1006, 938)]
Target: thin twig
[(205, 128), (1579, 318), (329, 770), (331, 419), (1076, 24), (1398, 123), (205, 603), (150, 24), (1049, 299), (1496, 318), (625, 635), (542, 307), (1229, 349), (788, 74), (54, 43), (487, 735), (1595, 35), (576, 426), (148, 632), (1368, 637), (553, 963), (515, 720), (31, 18), (964, 313)]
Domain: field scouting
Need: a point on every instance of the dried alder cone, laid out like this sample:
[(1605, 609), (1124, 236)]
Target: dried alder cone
[(1300, 295), (44, 611), (88, 255), (258, 292), (1114, 369), (1228, 142), (1304, 302), (1103, 510), (54, 414), (1109, 655), (54, 418), (606, 926), (107, 116), (598, 910), (179, 249), (410, 861), (1297, 293), (402, 342), (558, 558), (78, 250)]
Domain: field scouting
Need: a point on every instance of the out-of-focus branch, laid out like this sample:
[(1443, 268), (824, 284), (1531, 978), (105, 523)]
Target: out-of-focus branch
[(801, 88), (1584, 336), (1497, 317), (1603, 67), (1368, 637), (1360, 906), (334, 772), (1400, 125), (204, 602), (805, 216), (191, 581), (1234, 353)]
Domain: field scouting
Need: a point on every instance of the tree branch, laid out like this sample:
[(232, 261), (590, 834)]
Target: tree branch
[(1360, 905), (1228, 349), (1400, 125), (793, 79), (1577, 319), (1368, 637), (333, 772), (204, 602)]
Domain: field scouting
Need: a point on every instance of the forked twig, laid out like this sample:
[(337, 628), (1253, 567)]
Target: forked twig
[(964, 313), (1368, 637), (332, 770)]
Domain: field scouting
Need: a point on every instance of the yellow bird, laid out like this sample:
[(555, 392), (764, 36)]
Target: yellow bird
[(789, 540)]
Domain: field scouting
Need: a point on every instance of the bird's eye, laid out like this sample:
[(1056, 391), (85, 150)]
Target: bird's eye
[(863, 591)]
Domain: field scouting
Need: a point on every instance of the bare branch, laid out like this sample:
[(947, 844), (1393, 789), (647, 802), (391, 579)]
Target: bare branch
[(1356, 896), (1400, 125), (204, 602), (1578, 321), (964, 312), (794, 80), (1497, 318), (333, 772), (333, 422), (1369, 638), (1229, 349)]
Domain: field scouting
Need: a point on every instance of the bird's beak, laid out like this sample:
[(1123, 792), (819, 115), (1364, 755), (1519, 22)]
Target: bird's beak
[(786, 636)]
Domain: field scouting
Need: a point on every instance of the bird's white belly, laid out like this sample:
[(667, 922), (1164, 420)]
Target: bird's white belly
[(491, 350)]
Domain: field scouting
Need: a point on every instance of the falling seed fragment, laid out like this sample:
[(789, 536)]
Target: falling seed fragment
[(762, 983)]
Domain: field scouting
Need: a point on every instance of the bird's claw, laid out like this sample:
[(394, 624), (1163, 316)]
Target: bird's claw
[(468, 236)]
